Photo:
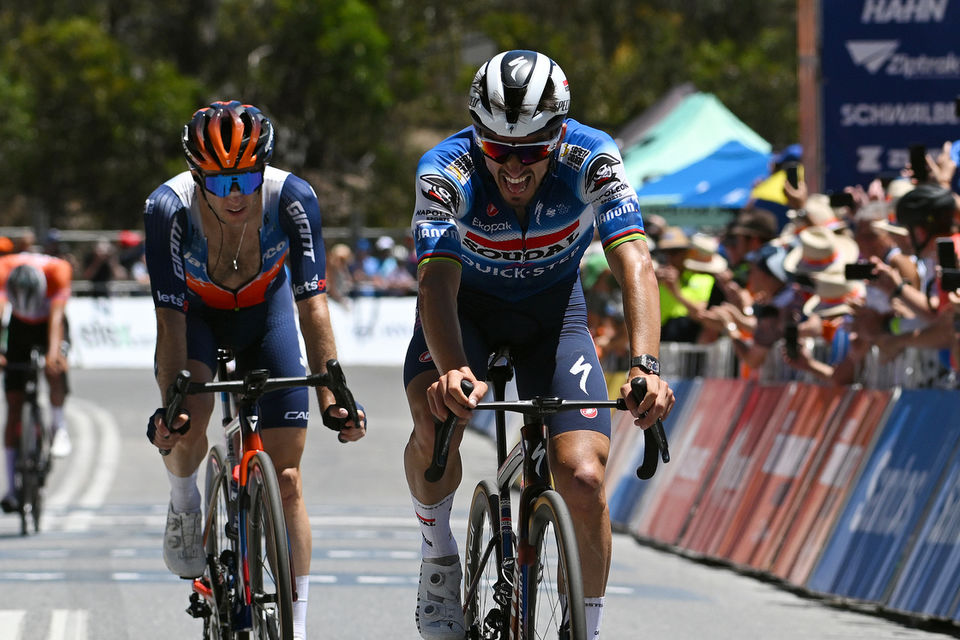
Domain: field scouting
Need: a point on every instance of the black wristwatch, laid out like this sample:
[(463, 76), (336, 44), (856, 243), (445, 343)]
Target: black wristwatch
[(646, 363)]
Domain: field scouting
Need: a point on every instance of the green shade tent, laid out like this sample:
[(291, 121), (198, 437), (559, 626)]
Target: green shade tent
[(695, 128)]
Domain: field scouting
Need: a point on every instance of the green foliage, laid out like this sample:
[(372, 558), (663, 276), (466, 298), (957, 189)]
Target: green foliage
[(92, 100)]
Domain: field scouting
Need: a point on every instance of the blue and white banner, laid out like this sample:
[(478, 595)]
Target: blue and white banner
[(890, 77)]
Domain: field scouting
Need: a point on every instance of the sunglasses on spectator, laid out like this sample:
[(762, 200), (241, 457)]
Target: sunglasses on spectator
[(526, 152), (221, 184)]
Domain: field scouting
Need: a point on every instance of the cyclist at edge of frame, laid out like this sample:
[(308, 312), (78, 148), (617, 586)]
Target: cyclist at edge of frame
[(504, 211), (217, 239), (37, 288)]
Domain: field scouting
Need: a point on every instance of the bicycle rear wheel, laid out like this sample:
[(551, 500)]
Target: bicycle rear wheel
[(29, 468), (268, 554), (482, 613), (216, 541), (555, 584)]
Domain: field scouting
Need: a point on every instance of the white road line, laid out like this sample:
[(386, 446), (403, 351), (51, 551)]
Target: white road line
[(80, 461), (107, 457), (10, 623), (68, 624)]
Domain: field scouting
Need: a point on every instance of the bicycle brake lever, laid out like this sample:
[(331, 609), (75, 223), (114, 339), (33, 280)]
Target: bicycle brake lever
[(337, 384), (175, 395), (443, 433), (654, 438)]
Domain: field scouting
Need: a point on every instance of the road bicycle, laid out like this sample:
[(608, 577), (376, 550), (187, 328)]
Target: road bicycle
[(247, 589), (33, 449), (526, 584)]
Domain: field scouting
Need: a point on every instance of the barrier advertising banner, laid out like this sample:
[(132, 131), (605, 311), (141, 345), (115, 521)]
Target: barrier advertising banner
[(624, 488), (881, 520), (786, 460), (792, 553), (930, 580), (890, 73), (766, 405), (670, 503)]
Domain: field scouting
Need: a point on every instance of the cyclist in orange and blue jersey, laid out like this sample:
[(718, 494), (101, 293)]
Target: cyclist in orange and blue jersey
[(37, 288), (504, 211), (218, 237)]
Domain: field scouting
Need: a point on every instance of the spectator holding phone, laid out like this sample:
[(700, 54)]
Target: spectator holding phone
[(875, 241)]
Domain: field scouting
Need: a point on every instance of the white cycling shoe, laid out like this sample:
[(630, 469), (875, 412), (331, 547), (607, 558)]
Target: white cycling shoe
[(439, 612), (61, 446), (183, 544)]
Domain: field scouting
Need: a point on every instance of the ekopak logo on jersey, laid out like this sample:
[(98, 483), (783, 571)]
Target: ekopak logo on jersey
[(882, 55)]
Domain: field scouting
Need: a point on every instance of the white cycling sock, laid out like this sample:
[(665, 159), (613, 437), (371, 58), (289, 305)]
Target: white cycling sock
[(56, 418), (594, 610), (11, 462), (300, 607), (438, 540), (184, 494)]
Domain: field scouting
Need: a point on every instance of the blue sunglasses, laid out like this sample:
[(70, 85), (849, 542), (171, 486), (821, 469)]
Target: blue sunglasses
[(221, 184)]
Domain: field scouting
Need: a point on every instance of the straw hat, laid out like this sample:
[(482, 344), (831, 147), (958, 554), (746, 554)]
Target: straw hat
[(817, 211), (833, 295), (703, 257), (821, 250), (673, 238)]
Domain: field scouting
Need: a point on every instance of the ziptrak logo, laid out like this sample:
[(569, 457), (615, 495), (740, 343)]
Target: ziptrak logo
[(877, 55)]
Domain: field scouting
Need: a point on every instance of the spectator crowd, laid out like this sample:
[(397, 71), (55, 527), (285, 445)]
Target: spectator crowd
[(855, 288)]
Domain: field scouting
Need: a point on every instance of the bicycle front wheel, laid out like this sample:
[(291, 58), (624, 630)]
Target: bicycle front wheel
[(554, 583), (271, 586), (29, 468), (482, 613), (217, 540)]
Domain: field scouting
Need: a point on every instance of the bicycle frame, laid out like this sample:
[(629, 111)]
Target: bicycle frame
[(242, 436), (33, 457)]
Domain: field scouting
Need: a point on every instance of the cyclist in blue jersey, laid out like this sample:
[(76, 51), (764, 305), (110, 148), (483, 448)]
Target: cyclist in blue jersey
[(217, 240), (504, 211)]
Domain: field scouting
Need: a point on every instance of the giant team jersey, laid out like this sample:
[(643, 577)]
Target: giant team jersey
[(460, 215), (176, 245)]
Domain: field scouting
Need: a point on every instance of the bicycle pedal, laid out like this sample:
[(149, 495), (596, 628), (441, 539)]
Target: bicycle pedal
[(198, 608)]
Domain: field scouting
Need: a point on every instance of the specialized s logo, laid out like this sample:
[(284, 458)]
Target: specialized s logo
[(439, 189), (600, 173), (582, 369)]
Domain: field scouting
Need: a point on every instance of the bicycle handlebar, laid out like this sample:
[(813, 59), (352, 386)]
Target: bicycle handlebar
[(654, 443), (256, 383)]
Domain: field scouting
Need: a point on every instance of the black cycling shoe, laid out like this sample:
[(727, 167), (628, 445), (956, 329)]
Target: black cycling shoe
[(10, 504)]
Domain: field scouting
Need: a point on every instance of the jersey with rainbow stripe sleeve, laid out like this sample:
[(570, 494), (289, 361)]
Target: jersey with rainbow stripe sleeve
[(461, 217)]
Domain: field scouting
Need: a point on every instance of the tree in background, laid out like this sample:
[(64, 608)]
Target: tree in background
[(93, 100)]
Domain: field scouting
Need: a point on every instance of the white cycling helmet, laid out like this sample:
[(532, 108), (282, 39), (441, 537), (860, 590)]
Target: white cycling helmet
[(27, 290), (519, 93)]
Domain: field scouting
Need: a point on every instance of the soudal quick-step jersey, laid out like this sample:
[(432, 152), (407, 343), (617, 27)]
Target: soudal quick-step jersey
[(176, 245), (460, 215)]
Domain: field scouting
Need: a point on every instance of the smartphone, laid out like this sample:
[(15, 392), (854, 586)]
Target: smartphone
[(791, 337), (803, 280), (946, 253), (858, 271), (841, 199), (918, 162), (956, 106), (950, 279), (792, 170)]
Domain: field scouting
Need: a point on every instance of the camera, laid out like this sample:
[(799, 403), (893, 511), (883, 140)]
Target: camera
[(858, 271), (841, 199)]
